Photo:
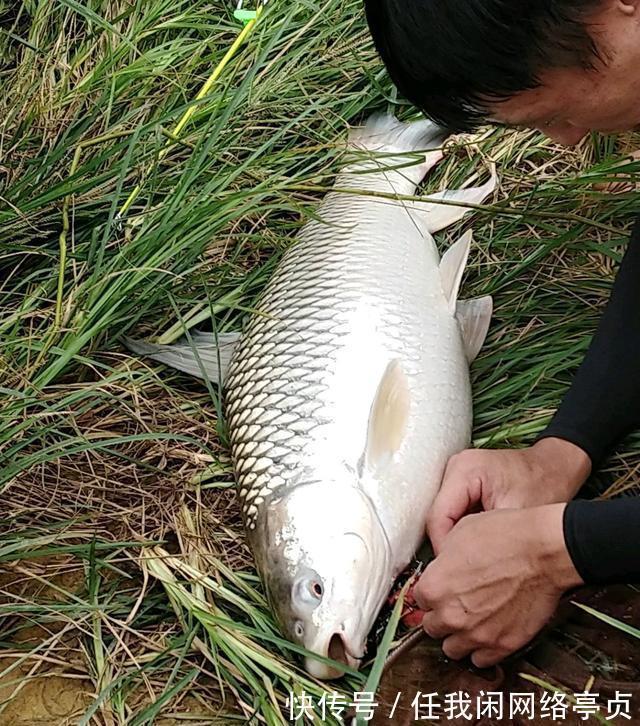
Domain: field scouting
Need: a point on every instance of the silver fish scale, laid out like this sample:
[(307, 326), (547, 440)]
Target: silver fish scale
[(284, 364)]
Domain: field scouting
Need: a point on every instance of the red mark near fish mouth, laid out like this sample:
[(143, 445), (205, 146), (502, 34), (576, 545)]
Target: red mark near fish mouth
[(411, 616)]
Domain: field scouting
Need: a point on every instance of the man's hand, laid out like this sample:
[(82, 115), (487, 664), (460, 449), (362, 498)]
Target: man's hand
[(551, 470), (496, 582)]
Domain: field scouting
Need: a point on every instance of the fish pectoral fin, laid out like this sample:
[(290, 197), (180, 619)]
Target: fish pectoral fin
[(388, 418), (452, 267), (205, 355), (474, 317), (439, 210)]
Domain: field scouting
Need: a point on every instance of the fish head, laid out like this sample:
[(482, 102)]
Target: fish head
[(326, 564)]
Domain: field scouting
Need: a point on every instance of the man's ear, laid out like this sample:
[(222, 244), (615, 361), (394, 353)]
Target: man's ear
[(627, 7)]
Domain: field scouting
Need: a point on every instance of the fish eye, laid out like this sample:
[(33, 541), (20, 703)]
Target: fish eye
[(308, 591), (298, 629)]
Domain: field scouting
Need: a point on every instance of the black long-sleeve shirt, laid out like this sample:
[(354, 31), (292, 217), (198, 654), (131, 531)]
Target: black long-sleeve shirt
[(601, 406)]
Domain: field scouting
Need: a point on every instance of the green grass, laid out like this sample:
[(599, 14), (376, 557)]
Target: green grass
[(103, 459)]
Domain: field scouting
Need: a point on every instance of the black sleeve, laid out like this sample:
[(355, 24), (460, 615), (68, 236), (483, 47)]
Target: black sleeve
[(603, 539), (602, 405)]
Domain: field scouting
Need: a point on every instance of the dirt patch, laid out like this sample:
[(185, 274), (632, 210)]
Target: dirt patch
[(41, 699), (38, 684)]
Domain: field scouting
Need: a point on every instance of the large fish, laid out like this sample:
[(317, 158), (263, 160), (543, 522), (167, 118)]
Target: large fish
[(349, 390)]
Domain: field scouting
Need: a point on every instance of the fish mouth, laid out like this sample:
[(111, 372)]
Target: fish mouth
[(337, 650)]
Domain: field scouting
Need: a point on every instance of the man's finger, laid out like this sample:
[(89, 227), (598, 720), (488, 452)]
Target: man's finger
[(458, 646), (434, 627), (487, 658), (456, 496), (448, 507)]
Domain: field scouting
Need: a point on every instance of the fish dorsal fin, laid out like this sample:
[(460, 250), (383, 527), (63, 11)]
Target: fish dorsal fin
[(388, 417), (452, 267), (474, 317), (433, 215), (205, 355)]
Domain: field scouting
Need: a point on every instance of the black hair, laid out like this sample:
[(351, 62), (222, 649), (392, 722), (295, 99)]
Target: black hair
[(449, 57)]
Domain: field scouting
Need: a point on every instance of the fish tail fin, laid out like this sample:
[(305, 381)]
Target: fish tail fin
[(389, 138), (383, 132)]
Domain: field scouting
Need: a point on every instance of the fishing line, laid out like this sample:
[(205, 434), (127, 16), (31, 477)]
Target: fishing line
[(249, 19)]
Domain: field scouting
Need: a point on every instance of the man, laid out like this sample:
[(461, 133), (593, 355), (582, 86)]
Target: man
[(565, 67)]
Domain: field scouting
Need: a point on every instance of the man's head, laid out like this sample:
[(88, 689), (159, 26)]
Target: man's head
[(565, 67)]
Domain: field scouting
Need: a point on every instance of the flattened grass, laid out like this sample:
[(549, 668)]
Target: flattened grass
[(116, 485)]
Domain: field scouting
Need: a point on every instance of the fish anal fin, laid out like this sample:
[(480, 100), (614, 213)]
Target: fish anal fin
[(474, 317), (388, 417)]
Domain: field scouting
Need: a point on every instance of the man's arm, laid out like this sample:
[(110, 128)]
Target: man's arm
[(602, 406)]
